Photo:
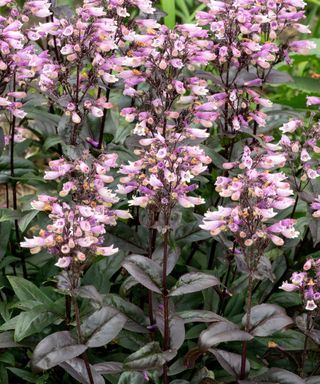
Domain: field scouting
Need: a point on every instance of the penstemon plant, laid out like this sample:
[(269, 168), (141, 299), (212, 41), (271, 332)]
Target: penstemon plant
[(163, 198)]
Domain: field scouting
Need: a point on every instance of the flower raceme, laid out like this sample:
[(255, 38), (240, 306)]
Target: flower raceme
[(158, 58), (81, 212), (245, 44), (307, 283), (299, 147), (247, 32), (163, 173), (82, 51), (258, 195)]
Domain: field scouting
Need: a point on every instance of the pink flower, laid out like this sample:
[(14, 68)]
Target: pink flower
[(311, 305), (302, 46), (107, 251), (190, 201), (313, 100), (289, 287), (291, 126), (63, 262), (35, 242), (141, 201)]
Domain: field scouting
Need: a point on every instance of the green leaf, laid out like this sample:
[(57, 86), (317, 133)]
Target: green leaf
[(3, 375), (193, 282), (42, 121), (102, 326), (77, 369), (51, 142), (267, 319), (286, 299), (181, 4), (169, 7), (290, 340), (23, 374), (131, 378), (6, 340), (9, 324), (125, 238), (55, 349), (7, 214), (217, 159), (149, 357), (27, 291), (32, 322), (146, 271), (136, 320), (222, 332), (305, 84), (5, 230), (190, 232), (25, 220), (21, 167)]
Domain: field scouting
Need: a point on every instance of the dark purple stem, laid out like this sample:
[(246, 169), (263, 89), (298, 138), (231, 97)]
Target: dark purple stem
[(165, 297)]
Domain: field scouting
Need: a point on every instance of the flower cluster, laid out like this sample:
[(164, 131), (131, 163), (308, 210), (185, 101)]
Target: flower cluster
[(307, 283), (246, 44), (258, 194), (13, 54), (80, 213), (82, 54), (163, 173), (298, 147), (157, 59)]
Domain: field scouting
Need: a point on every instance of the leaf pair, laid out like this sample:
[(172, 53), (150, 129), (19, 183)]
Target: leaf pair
[(148, 273)]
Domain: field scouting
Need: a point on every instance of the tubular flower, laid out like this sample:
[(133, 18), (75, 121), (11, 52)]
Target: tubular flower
[(257, 196), (307, 283), (246, 44), (77, 227), (163, 174)]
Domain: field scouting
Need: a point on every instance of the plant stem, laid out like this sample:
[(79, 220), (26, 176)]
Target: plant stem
[(152, 245), (74, 280), (247, 326), (14, 185), (68, 310), (295, 206), (103, 120), (226, 105), (56, 51), (84, 355), (305, 350), (165, 298), (7, 196), (74, 131)]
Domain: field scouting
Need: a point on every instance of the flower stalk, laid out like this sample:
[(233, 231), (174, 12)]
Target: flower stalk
[(165, 298), (247, 325)]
